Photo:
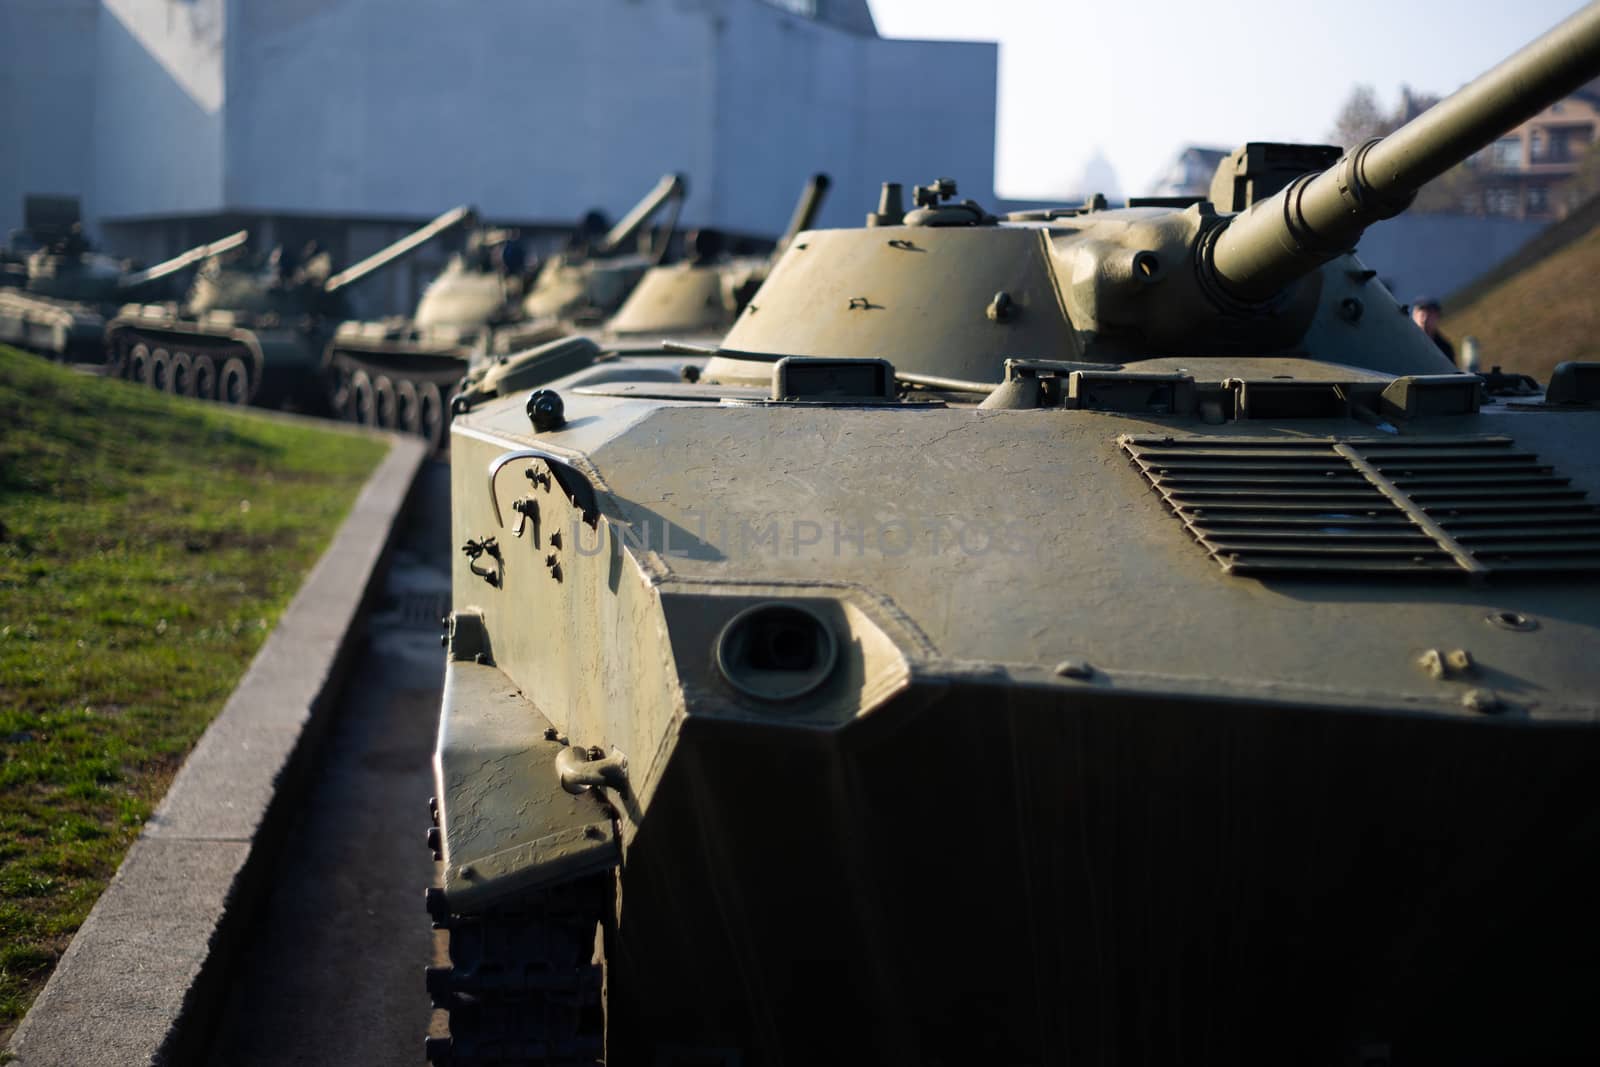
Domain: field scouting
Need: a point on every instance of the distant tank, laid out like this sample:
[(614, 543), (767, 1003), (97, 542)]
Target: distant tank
[(587, 282), (1084, 637), (695, 300), (57, 291), (255, 334), (481, 303), (703, 294)]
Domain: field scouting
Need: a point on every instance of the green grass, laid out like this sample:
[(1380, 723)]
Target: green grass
[(147, 546)]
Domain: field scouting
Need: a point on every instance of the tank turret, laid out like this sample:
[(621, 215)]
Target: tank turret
[(1155, 279), (183, 260), (1090, 636), (398, 250), (587, 284), (668, 193), (702, 295)]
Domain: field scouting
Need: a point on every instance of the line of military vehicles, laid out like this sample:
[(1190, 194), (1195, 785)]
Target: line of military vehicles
[(274, 330), (1151, 649)]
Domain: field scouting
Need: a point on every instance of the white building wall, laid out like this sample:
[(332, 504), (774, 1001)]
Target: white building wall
[(158, 105), (402, 107), (47, 79), (543, 110), (530, 109)]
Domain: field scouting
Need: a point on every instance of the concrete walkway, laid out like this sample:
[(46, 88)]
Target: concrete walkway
[(332, 972)]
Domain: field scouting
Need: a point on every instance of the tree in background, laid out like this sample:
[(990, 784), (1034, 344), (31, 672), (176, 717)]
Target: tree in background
[(1362, 118)]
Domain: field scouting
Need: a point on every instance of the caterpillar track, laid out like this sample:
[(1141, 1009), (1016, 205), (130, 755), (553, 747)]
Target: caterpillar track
[(213, 358), (395, 386), (524, 987)]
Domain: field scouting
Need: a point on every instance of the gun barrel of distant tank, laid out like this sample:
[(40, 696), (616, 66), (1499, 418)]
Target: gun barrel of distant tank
[(1318, 217), (670, 187), (451, 219), (805, 211), (184, 259)]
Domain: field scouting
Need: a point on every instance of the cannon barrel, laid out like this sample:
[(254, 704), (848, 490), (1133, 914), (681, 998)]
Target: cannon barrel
[(459, 216), (1320, 216), (805, 210), (671, 187), (184, 259)]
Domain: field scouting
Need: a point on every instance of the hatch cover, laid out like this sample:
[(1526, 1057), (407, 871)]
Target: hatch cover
[(1402, 506)]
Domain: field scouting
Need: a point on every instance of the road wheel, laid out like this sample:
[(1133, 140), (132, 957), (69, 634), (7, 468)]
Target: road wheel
[(160, 369), (363, 402), (233, 384), (180, 376), (383, 392), (339, 391), (139, 364), (205, 377), (430, 413), (407, 417), (116, 359)]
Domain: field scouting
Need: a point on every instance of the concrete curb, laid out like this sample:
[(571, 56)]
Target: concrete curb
[(141, 978)]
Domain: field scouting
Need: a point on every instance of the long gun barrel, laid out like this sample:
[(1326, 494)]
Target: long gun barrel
[(184, 259), (405, 246), (671, 187), (1318, 217), (805, 211)]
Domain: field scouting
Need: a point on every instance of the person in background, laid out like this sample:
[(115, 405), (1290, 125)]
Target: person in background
[(1425, 313)]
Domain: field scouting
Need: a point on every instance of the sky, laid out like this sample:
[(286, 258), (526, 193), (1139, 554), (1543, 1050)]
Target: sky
[(1137, 80)]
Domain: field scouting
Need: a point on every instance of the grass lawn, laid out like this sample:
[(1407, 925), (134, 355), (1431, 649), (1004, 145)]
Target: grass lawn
[(147, 546)]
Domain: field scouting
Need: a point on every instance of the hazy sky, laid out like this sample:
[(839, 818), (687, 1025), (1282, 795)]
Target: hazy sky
[(1139, 79)]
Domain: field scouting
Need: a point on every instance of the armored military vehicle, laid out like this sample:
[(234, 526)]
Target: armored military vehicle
[(1090, 636), (57, 291), (693, 300), (587, 282), (255, 335), (392, 373), (706, 291)]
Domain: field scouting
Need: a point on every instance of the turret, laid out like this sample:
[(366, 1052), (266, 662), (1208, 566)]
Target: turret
[(1263, 269), (1320, 216), (671, 188), (403, 247), (185, 259)]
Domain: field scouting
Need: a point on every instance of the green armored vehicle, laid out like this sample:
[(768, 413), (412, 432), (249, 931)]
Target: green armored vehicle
[(706, 291), (481, 304), (1089, 637), (587, 282), (253, 334), (56, 291), (692, 300)]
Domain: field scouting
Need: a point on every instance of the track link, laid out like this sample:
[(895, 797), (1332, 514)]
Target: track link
[(188, 364), (409, 394), (524, 987)]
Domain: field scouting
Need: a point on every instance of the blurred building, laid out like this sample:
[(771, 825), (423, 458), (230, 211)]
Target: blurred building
[(1190, 173), (352, 120), (1525, 174)]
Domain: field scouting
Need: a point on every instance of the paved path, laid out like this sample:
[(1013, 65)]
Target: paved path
[(333, 973)]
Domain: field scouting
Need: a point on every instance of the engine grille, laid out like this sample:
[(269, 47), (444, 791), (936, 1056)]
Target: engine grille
[(1396, 505)]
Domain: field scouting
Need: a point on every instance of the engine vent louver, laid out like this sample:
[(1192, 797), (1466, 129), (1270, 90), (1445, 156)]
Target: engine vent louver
[(1480, 506)]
